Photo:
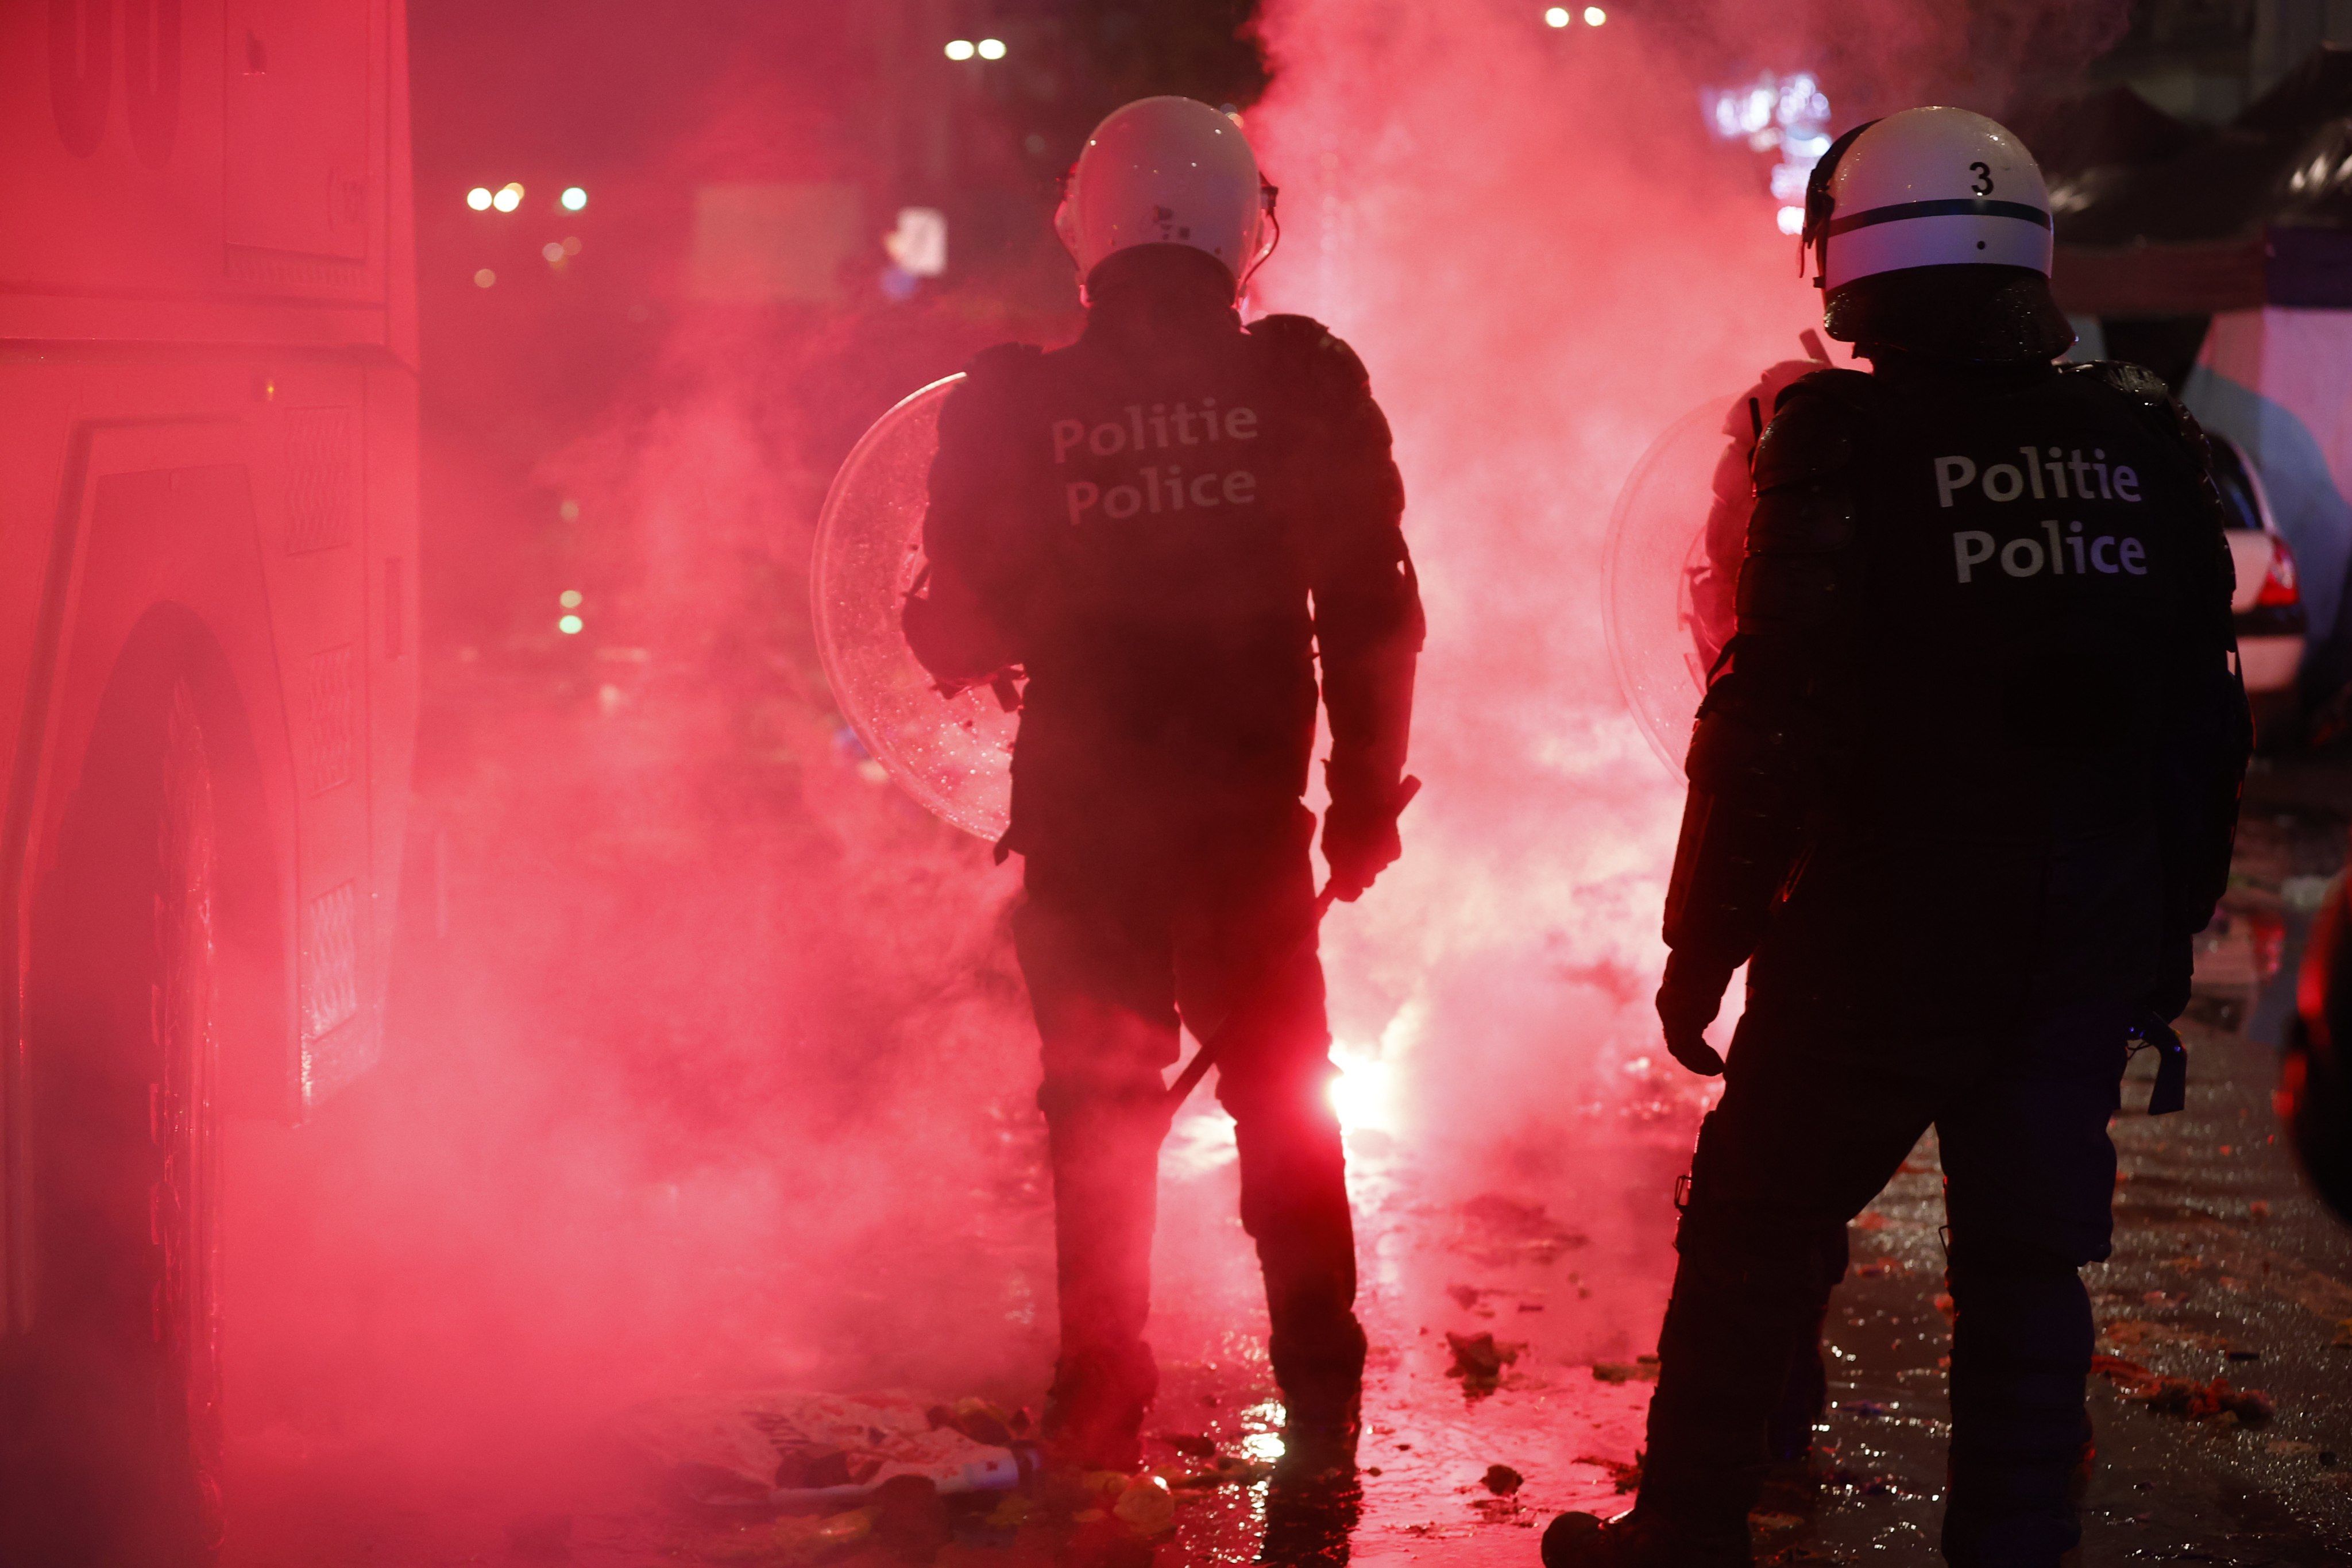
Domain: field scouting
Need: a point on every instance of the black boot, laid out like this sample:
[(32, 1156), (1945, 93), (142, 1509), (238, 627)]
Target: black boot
[(1321, 1373), (1585, 1540), (1094, 1413)]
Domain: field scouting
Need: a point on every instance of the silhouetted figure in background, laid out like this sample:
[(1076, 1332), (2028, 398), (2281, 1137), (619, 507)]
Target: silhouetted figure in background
[(1164, 524), (1962, 793)]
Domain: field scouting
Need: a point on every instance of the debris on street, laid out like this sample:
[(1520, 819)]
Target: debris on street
[(1503, 1481), (1640, 1369), (1146, 1506), (799, 1450), (2185, 1396), (982, 1421), (1479, 1361), (1507, 1231)]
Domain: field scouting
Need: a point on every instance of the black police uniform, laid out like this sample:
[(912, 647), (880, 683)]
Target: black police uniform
[(1960, 795), (1164, 524)]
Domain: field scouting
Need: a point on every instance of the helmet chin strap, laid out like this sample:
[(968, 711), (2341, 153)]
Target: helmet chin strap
[(1267, 193)]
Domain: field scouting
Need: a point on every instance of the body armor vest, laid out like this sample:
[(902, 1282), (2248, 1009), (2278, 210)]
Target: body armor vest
[(1166, 525)]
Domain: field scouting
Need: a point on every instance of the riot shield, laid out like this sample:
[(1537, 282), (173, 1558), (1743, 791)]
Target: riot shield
[(1667, 603), (952, 753)]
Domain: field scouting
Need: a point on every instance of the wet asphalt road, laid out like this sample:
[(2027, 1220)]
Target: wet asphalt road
[(2224, 1268), (2205, 1284)]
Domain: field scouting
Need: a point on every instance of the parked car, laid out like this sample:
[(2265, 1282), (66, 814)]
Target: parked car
[(2268, 604)]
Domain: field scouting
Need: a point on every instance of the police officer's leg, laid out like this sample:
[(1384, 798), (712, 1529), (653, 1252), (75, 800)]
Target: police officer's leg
[(1095, 951), (1246, 954), (1807, 1133), (2030, 1177), (1806, 1394)]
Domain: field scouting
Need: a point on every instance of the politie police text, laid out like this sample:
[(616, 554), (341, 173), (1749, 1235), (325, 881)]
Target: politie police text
[(2063, 474), (1158, 487)]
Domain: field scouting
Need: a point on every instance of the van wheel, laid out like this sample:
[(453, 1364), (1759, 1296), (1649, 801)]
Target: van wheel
[(122, 1461)]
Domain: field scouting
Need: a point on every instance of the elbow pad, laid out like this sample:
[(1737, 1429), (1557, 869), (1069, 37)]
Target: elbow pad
[(1743, 831)]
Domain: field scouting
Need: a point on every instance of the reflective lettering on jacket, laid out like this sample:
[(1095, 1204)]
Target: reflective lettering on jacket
[(1127, 467)]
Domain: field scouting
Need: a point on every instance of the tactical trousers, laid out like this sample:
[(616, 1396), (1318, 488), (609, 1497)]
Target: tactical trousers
[(1810, 1128), (1118, 930)]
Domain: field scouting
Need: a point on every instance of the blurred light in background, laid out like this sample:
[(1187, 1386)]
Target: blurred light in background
[(919, 245), (1594, 15), (509, 198), (575, 198), (569, 626), (554, 252), (485, 278), (1558, 16), (961, 49), (569, 598), (570, 245), (1789, 114), (992, 49), (478, 198)]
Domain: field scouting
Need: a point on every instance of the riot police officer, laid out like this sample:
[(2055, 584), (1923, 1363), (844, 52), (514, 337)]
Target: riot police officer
[(1960, 795), (1165, 525)]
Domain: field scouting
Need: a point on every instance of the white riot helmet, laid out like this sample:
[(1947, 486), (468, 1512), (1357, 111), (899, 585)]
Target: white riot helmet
[(1168, 170), (1931, 188)]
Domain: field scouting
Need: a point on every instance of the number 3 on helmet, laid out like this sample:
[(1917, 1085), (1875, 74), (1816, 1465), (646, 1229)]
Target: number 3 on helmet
[(1168, 170), (1928, 187)]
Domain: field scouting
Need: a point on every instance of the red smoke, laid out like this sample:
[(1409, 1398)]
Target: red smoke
[(720, 1072)]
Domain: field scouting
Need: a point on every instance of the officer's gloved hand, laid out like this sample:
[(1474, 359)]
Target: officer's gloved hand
[(2174, 969), (1689, 997), (1359, 836)]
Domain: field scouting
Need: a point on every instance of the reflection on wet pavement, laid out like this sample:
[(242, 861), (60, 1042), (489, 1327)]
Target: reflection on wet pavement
[(1508, 1382)]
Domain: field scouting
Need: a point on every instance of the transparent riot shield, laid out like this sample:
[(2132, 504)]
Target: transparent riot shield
[(952, 753), (1667, 603)]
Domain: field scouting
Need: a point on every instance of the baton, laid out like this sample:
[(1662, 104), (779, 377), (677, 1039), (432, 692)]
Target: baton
[(1206, 1056)]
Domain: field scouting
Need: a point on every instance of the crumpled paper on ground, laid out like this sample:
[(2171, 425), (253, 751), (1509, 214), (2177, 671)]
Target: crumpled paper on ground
[(786, 1450)]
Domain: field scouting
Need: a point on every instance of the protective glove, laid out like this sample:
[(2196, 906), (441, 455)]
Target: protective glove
[(2174, 969), (1359, 836), (1689, 997)]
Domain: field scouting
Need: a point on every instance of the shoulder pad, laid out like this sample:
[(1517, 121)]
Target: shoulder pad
[(1745, 420), (1309, 345), (1003, 361), (1814, 430), (2143, 386), (2165, 413), (1849, 387)]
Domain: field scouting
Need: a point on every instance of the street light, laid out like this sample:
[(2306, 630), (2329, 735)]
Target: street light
[(478, 198), (1558, 16), (992, 49), (1594, 15), (575, 198), (509, 198), (961, 49)]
